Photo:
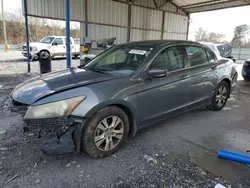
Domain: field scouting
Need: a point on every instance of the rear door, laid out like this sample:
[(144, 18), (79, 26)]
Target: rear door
[(201, 72)]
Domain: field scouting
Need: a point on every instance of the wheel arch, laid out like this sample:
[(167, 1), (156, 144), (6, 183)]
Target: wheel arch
[(228, 81), (45, 51), (125, 106), (131, 118)]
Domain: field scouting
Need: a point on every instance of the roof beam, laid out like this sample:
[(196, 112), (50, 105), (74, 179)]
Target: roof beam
[(164, 3), (177, 7), (247, 1), (131, 1), (206, 3), (156, 6), (216, 6)]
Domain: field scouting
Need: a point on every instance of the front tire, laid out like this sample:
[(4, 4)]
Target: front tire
[(220, 96), (105, 132)]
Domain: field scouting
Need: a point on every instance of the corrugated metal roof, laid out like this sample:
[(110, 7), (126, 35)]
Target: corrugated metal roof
[(138, 35), (98, 32), (146, 18), (108, 12), (191, 6), (175, 23), (56, 10)]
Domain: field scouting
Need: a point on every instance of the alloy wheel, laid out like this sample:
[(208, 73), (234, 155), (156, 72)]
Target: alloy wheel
[(221, 96), (109, 133)]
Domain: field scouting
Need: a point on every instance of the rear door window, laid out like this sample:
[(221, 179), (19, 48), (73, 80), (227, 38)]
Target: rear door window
[(196, 55)]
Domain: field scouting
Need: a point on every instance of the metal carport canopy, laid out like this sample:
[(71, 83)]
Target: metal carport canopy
[(193, 6), (178, 7)]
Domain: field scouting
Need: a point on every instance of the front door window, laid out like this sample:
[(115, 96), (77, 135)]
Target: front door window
[(170, 59)]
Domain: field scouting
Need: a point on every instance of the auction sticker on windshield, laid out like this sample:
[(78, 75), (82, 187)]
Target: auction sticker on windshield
[(139, 52)]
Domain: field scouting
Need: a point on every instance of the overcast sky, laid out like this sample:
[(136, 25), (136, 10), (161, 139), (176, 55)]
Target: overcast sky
[(221, 21)]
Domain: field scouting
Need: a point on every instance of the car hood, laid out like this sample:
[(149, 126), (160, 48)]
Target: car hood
[(34, 89), (39, 45)]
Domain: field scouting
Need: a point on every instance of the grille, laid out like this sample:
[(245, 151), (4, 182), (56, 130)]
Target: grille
[(48, 122)]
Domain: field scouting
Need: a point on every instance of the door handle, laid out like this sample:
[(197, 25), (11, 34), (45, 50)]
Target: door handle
[(183, 76)]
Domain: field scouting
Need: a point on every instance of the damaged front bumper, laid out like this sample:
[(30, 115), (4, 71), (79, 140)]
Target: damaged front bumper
[(59, 135)]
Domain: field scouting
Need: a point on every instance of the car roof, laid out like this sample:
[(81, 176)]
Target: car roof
[(56, 36), (155, 43)]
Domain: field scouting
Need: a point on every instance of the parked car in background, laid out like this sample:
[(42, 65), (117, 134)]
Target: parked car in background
[(53, 46), (221, 50), (125, 88), (246, 70)]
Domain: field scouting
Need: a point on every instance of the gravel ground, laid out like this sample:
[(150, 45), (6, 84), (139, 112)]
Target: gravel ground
[(180, 152)]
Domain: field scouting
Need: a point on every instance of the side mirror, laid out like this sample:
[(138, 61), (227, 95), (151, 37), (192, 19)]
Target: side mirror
[(54, 44), (157, 73)]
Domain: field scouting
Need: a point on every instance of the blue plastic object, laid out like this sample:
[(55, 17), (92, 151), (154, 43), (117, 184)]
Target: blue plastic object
[(234, 156)]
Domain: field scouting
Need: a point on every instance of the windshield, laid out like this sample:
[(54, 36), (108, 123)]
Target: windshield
[(47, 40), (120, 61)]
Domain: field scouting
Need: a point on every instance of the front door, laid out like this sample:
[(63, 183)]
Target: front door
[(160, 96), (58, 47)]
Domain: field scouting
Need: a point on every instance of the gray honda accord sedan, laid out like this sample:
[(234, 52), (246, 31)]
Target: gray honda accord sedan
[(97, 106)]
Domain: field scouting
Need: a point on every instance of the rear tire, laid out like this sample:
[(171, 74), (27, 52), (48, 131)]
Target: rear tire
[(220, 96), (105, 132)]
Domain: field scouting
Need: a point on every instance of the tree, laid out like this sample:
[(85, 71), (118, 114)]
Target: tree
[(215, 37), (201, 35), (240, 35), (38, 28)]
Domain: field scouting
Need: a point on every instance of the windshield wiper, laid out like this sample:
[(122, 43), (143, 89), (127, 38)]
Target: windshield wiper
[(100, 71)]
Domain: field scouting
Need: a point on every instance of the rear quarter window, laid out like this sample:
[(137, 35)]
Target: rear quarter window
[(211, 56)]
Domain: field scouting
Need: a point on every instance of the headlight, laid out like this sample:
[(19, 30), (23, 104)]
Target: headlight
[(33, 48), (54, 109)]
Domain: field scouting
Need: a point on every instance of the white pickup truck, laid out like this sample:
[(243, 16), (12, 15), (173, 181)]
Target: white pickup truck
[(52, 46)]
